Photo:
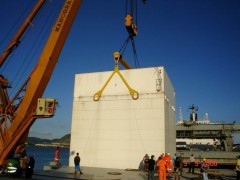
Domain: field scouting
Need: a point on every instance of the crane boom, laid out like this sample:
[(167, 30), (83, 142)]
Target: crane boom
[(25, 114)]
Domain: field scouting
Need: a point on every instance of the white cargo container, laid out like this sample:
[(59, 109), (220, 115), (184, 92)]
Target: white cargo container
[(117, 131)]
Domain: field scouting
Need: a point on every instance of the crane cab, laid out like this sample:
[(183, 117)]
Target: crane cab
[(46, 106)]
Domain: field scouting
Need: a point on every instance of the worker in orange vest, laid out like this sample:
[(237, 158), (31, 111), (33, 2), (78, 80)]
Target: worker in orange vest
[(161, 164), (168, 160), (56, 159)]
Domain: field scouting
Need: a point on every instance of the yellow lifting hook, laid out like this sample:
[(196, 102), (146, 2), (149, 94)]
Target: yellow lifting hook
[(134, 93)]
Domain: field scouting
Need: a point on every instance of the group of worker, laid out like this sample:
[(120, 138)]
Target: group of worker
[(27, 164), (164, 165), (167, 165)]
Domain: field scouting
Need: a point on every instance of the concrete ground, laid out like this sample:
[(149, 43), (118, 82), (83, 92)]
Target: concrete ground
[(90, 173)]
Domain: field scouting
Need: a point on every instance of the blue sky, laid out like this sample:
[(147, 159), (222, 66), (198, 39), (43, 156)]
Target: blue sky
[(197, 41)]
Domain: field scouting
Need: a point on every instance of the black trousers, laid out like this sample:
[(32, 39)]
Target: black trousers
[(238, 175), (191, 167)]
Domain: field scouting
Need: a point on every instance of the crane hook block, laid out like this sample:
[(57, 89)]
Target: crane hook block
[(130, 26), (117, 56), (134, 94)]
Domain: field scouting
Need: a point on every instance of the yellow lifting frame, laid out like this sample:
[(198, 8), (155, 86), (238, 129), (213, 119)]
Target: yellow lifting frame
[(134, 93)]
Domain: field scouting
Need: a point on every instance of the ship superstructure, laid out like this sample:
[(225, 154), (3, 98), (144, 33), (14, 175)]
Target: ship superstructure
[(205, 139)]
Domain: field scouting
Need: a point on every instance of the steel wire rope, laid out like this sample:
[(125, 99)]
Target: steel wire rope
[(135, 54), (136, 14), (136, 61), (37, 18), (18, 75), (131, 7), (14, 24), (32, 51), (8, 34), (123, 48), (13, 52), (126, 7)]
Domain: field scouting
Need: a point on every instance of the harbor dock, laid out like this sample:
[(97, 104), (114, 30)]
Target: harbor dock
[(91, 173)]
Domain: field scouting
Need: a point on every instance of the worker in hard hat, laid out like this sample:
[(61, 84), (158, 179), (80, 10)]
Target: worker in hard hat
[(168, 160)]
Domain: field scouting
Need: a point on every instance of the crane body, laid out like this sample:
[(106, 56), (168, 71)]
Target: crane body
[(19, 113)]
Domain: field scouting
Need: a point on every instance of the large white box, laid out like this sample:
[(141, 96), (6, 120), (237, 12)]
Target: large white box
[(117, 131)]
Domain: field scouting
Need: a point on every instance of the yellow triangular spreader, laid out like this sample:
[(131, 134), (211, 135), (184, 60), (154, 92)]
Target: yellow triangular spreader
[(133, 93)]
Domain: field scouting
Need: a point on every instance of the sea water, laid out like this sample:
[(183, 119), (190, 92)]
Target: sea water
[(43, 155)]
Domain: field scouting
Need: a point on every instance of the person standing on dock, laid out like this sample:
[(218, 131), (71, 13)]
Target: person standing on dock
[(23, 160), (238, 168), (204, 169), (57, 152), (145, 162), (168, 159), (151, 167), (77, 160), (191, 164), (181, 164), (30, 167), (162, 170), (177, 165)]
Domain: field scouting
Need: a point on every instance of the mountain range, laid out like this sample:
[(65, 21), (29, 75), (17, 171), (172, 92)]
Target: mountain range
[(34, 140)]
